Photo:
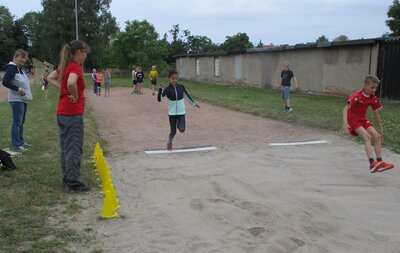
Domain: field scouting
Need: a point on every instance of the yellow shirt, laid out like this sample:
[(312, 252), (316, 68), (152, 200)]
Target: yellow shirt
[(153, 74)]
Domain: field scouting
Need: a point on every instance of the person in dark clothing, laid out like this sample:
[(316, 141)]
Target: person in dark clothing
[(287, 76), (176, 105)]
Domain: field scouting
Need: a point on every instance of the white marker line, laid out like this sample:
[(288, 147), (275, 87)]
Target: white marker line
[(179, 150), (298, 143)]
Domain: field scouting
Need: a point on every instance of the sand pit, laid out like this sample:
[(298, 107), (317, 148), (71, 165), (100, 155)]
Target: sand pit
[(246, 196)]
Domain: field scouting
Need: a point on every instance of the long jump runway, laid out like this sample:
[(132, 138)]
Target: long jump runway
[(247, 196)]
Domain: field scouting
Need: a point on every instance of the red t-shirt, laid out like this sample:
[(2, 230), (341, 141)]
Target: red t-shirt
[(359, 104), (65, 107)]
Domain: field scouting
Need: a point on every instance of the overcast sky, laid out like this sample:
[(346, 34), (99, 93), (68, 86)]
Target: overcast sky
[(272, 21)]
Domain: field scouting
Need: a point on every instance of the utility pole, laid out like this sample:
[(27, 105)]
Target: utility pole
[(76, 19)]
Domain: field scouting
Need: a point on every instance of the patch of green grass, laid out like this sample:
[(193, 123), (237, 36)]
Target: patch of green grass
[(31, 193)]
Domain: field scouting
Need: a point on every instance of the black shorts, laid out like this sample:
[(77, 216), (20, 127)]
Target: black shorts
[(134, 82), (154, 82)]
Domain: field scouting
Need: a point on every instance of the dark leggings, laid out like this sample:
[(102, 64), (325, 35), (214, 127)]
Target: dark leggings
[(176, 121)]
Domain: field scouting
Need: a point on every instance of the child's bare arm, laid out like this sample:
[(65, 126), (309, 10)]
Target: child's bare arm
[(53, 78), (295, 82), (345, 127), (378, 120)]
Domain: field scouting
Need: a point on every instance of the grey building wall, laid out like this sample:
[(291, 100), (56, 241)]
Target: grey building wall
[(338, 69)]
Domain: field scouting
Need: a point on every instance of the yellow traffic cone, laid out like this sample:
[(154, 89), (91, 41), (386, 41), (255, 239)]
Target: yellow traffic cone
[(109, 210)]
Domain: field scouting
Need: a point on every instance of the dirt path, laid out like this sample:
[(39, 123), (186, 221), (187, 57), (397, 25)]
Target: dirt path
[(247, 196)]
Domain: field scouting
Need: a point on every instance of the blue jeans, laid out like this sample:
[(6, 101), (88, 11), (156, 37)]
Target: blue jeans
[(285, 92), (17, 127)]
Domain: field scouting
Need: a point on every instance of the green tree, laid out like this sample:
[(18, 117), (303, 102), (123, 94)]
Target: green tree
[(7, 43), (178, 45), (200, 45), (239, 41), (97, 27), (341, 38), (11, 36), (322, 39), (31, 28), (394, 18), (139, 44)]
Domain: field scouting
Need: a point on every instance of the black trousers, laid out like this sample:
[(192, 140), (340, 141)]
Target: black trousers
[(176, 121)]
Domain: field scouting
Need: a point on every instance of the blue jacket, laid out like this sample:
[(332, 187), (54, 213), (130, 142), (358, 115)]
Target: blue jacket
[(16, 78), (175, 94)]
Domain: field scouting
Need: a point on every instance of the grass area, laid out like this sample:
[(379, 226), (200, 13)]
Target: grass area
[(310, 110), (32, 196)]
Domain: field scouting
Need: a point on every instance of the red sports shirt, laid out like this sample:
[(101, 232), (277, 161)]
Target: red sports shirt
[(359, 104), (65, 107)]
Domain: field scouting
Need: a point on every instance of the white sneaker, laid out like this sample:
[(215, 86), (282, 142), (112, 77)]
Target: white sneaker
[(19, 149)]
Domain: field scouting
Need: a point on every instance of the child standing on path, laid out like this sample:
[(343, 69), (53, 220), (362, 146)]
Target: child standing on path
[(286, 76), (107, 81), (94, 80), (134, 81), (355, 122), (139, 80), (99, 81), (176, 105), (153, 75)]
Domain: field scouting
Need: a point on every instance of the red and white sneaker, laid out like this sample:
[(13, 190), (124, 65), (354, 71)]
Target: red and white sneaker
[(169, 146), (386, 166), (375, 166)]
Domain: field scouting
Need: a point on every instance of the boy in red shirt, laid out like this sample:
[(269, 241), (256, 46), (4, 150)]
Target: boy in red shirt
[(355, 122)]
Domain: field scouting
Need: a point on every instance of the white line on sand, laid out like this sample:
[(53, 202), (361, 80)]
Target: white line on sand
[(298, 143), (180, 150)]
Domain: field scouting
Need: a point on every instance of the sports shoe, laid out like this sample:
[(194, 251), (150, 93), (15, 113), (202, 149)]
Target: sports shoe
[(78, 188), (169, 146), (285, 110), (386, 166), (26, 145), (289, 110), (19, 149), (375, 166)]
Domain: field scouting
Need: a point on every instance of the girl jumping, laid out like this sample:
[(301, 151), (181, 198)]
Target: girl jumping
[(176, 105)]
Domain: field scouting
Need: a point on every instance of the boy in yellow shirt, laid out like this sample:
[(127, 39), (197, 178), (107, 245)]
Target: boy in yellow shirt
[(153, 77)]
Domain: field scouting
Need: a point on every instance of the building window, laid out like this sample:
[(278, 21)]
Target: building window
[(197, 67), (216, 66)]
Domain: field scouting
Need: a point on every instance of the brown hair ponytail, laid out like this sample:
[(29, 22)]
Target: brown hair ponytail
[(68, 51)]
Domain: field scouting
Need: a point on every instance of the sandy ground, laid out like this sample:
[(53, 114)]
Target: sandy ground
[(247, 196)]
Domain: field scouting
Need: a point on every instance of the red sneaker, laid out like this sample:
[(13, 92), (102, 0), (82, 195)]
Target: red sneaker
[(169, 146), (386, 166), (375, 166)]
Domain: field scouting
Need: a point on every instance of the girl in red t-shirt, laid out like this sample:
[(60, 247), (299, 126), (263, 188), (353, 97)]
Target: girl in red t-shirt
[(70, 110)]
